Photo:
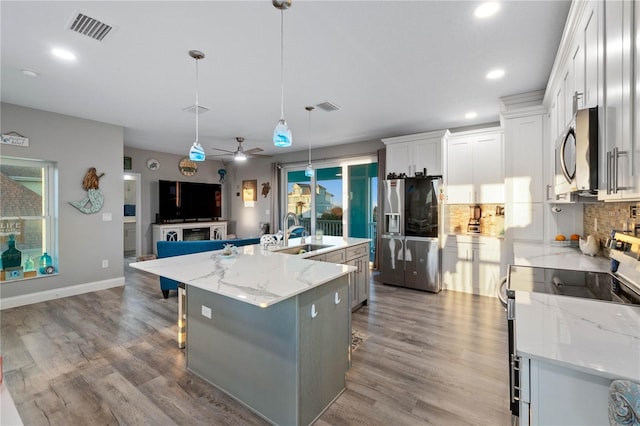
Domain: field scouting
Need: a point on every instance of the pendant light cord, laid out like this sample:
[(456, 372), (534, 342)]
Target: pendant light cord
[(197, 105), (281, 64), (309, 109)]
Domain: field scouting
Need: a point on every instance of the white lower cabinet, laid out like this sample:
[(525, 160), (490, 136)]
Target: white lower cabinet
[(129, 236), (472, 264), (189, 231), (555, 395)]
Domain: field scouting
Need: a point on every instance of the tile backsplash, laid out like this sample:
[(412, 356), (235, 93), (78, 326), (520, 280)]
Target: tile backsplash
[(610, 216), (458, 218)]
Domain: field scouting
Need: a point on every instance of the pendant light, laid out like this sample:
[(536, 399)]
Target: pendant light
[(308, 172), (281, 134), (196, 153)]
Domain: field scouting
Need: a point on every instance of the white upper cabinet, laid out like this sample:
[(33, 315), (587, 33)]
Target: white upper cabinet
[(591, 64), (415, 153), (616, 180), (475, 167)]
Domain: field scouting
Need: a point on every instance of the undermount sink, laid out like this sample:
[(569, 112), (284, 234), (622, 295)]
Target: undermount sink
[(303, 248)]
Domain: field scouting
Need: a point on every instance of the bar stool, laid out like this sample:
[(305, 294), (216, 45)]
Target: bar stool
[(624, 403)]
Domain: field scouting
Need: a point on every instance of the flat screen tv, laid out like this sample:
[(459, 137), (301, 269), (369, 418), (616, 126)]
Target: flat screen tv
[(188, 201)]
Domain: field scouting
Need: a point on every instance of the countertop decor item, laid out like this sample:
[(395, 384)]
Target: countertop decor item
[(590, 246), (92, 203)]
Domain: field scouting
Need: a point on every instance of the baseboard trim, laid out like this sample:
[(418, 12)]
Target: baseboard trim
[(58, 293)]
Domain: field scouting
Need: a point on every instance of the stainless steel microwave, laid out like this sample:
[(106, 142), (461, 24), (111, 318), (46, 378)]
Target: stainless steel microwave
[(576, 155)]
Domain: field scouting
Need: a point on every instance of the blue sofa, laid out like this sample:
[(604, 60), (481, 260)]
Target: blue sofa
[(178, 248)]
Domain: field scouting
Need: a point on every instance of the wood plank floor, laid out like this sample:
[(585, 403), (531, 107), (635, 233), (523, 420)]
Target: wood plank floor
[(110, 357)]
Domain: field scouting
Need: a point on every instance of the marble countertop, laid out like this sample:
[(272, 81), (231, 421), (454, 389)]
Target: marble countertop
[(600, 338), (254, 275), (550, 256)]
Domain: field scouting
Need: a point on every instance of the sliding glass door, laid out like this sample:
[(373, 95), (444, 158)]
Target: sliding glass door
[(340, 200)]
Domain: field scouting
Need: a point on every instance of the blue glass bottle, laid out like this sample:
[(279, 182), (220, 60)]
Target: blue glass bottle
[(45, 262), (11, 257)]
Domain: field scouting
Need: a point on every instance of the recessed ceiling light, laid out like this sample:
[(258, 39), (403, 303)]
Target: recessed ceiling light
[(63, 54), (492, 75), (487, 9), (28, 72), (470, 115)]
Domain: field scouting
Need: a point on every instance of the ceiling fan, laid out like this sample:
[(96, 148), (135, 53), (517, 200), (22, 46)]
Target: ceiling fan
[(240, 154)]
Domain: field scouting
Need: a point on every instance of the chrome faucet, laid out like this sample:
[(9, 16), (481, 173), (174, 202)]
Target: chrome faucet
[(284, 223)]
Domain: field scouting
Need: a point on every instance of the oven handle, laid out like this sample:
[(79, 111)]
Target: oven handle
[(514, 369), (511, 309)]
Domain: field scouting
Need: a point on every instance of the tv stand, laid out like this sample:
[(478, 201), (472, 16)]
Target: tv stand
[(188, 231)]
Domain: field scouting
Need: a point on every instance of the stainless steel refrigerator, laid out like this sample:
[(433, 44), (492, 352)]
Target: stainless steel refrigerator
[(410, 251)]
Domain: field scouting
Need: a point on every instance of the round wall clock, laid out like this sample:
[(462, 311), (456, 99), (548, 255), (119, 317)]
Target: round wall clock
[(187, 167), (153, 164)]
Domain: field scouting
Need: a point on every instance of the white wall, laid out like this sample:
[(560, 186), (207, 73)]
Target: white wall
[(75, 144)]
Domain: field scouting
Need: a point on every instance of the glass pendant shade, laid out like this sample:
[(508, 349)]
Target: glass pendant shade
[(196, 153), (309, 172), (240, 156), (282, 135)]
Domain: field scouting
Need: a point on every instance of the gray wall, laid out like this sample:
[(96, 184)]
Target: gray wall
[(84, 240), (207, 172)]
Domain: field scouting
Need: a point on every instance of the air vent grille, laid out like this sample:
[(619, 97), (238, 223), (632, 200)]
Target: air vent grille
[(328, 106), (90, 27), (192, 108)]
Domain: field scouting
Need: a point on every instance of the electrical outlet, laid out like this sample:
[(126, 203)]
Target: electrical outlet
[(105, 263), (206, 311)]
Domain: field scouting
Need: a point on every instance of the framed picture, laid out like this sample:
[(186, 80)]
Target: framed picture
[(249, 190), (127, 163)]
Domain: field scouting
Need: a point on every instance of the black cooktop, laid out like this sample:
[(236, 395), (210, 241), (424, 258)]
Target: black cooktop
[(565, 282)]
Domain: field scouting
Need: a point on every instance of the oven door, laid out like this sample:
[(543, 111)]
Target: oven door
[(565, 159)]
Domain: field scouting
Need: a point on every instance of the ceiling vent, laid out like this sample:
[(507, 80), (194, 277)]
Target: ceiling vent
[(90, 27), (192, 108), (328, 106)]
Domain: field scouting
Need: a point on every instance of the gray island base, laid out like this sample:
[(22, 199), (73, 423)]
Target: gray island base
[(287, 362)]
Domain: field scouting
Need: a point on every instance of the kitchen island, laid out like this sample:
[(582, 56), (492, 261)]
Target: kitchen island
[(272, 330)]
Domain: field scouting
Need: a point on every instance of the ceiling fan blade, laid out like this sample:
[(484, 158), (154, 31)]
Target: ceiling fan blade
[(224, 150)]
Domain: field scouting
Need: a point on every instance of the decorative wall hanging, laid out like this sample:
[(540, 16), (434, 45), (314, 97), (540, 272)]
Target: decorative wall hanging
[(221, 172), (266, 187), (92, 203), (153, 164), (14, 138), (249, 190), (187, 167), (127, 163)]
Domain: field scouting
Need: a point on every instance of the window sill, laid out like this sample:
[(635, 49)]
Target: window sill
[(23, 278)]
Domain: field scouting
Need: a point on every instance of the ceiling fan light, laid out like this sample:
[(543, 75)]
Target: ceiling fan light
[(240, 156), (196, 153), (282, 135), (309, 172)]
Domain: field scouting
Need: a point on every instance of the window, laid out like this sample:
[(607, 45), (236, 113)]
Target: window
[(27, 208)]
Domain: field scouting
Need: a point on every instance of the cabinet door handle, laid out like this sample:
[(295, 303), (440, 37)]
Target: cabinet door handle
[(609, 178), (336, 298), (314, 313), (616, 158), (548, 188)]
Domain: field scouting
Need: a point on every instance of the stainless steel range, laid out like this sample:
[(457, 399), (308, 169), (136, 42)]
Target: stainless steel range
[(621, 285)]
